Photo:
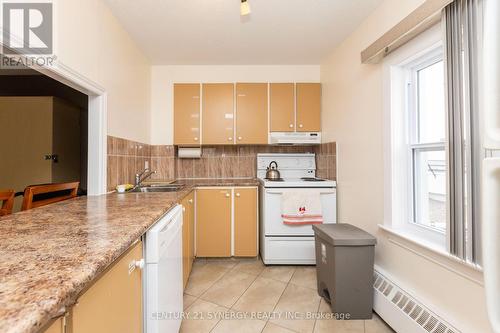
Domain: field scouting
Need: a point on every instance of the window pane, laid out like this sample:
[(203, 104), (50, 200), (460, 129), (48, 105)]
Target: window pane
[(430, 188), (431, 106)]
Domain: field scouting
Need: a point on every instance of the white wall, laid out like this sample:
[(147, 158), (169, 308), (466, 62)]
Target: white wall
[(91, 41), (163, 78), (353, 117)]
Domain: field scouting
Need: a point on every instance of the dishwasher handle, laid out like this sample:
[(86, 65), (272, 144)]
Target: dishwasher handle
[(162, 234), (169, 226), (170, 233)]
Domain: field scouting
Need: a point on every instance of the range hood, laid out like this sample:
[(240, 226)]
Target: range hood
[(295, 138)]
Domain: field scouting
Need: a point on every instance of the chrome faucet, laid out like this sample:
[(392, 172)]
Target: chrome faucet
[(142, 176)]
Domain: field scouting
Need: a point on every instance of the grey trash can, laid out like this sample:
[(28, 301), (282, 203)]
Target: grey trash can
[(344, 264)]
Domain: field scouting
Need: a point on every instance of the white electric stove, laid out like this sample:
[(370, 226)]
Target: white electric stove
[(289, 244)]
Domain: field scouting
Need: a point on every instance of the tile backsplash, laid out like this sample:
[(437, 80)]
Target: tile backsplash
[(163, 162), (229, 161), (126, 158), (326, 160)]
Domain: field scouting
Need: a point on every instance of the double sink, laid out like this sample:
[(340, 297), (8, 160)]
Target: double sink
[(150, 188)]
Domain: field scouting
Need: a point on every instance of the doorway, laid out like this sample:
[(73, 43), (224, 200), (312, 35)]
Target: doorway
[(66, 90), (43, 125)]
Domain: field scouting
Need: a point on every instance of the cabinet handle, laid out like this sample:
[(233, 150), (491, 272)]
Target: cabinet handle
[(183, 208), (195, 139), (227, 195), (291, 125), (240, 138), (139, 264), (238, 195), (190, 201), (300, 125), (230, 139), (135, 264)]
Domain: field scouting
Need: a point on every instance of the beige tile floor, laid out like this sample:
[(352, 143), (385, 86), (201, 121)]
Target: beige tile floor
[(243, 295)]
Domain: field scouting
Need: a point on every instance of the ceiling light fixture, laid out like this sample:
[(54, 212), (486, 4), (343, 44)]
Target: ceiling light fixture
[(244, 8)]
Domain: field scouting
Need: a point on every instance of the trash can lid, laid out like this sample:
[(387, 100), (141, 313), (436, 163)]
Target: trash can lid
[(343, 234)]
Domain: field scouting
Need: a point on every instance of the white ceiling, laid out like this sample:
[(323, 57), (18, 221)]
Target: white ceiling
[(205, 32)]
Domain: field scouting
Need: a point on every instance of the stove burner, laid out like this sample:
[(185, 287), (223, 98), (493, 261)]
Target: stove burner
[(275, 180), (312, 179)]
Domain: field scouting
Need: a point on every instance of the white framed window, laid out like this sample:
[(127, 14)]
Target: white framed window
[(432, 148), (416, 141), (426, 114)]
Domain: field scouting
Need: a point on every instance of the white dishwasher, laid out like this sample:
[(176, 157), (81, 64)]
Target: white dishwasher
[(163, 283)]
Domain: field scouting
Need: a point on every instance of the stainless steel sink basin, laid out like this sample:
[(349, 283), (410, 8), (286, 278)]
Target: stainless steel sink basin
[(157, 188)]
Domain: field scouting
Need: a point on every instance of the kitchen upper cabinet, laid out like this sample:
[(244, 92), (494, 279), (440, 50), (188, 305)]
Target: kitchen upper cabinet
[(218, 113), (282, 107), (244, 113), (213, 222), (308, 105), (251, 113), (187, 114), (188, 235), (245, 222), (114, 303)]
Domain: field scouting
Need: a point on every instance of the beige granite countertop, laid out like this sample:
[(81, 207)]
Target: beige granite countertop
[(49, 255)]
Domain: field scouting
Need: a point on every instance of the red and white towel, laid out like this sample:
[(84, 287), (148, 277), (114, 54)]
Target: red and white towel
[(301, 207)]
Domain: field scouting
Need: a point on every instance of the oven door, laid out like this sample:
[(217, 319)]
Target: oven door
[(271, 212)]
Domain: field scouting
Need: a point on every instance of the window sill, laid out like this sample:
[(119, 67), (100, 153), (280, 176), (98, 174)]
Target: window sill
[(434, 253)]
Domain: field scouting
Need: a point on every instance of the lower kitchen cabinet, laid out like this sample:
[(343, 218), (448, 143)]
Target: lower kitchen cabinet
[(187, 236), (245, 222), (114, 303), (215, 220), (56, 327)]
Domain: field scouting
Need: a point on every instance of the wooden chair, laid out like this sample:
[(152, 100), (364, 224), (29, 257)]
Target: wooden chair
[(41, 195), (7, 200)]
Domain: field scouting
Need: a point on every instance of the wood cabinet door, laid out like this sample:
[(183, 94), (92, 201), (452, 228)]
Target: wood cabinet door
[(308, 107), (251, 113), (218, 113), (56, 327), (114, 303), (213, 222), (245, 222), (185, 240), (282, 107), (187, 114), (191, 208), (187, 235)]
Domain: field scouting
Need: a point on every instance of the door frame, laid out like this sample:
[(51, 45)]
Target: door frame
[(97, 119)]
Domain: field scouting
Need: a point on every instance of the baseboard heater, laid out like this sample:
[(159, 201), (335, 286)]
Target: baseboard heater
[(403, 312)]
